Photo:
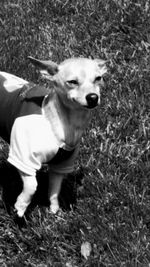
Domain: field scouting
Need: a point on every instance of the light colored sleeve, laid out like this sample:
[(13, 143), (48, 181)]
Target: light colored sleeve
[(31, 144)]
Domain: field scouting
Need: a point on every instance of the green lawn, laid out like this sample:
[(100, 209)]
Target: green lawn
[(112, 212)]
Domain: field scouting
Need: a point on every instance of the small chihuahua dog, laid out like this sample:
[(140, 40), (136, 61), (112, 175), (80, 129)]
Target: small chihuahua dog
[(45, 125)]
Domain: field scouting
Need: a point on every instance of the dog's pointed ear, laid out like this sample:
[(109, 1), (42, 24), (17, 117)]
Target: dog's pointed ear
[(48, 68), (102, 65)]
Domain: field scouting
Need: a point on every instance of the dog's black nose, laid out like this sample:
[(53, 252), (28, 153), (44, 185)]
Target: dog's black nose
[(92, 100)]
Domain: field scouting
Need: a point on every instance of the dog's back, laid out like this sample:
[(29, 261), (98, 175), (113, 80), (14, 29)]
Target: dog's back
[(8, 101), (17, 98)]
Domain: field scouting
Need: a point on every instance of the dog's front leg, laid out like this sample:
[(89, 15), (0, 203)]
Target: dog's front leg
[(55, 181), (24, 199)]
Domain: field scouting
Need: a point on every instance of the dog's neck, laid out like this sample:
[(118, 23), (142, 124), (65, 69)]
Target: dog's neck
[(67, 123)]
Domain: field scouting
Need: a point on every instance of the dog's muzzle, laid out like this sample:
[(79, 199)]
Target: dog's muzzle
[(92, 100)]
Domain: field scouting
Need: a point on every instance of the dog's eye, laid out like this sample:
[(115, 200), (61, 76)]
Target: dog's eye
[(98, 79), (72, 82)]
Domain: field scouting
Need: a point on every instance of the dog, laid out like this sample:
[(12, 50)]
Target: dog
[(45, 124)]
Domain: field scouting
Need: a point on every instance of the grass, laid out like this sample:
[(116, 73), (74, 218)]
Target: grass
[(112, 212)]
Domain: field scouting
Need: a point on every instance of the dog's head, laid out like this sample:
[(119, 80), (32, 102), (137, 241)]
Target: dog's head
[(77, 80)]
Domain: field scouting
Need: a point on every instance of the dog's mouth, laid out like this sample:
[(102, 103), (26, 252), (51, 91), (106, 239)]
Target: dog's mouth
[(86, 106), (90, 104)]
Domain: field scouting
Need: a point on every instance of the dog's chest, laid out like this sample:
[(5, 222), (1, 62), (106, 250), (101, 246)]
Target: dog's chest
[(75, 126), (67, 126)]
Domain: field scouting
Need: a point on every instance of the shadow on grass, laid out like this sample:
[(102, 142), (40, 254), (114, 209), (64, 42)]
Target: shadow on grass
[(12, 187)]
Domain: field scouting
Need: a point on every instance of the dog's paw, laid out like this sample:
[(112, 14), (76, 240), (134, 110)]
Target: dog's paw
[(54, 206), (20, 221), (20, 206), (19, 211)]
